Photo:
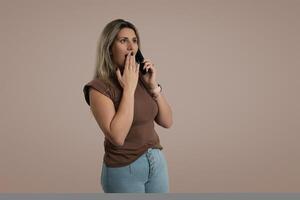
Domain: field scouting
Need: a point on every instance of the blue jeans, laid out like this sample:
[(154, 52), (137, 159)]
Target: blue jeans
[(147, 174)]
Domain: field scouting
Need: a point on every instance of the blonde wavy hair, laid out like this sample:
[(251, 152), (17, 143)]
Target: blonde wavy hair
[(105, 69)]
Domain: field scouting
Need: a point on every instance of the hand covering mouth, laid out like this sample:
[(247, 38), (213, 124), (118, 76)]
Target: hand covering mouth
[(128, 53)]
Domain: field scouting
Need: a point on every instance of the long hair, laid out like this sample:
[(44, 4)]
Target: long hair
[(105, 69)]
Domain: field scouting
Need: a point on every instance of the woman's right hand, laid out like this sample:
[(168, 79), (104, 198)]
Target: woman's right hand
[(130, 76)]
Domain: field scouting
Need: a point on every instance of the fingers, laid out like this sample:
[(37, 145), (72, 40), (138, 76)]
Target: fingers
[(134, 66), (132, 61), (149, 67), (119, 76), (146, 61), (137, 68), (127, 62), (118, 73)]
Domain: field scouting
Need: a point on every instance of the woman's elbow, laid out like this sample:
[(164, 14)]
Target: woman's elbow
[(116, 140), (167, 124)]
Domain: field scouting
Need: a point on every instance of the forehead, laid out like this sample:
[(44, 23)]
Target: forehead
[(126, 32)]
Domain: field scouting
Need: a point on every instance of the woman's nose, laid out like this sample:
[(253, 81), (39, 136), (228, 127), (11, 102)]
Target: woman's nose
[(129, 46)]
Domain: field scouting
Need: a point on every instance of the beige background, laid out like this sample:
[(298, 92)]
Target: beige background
[(230, 70)]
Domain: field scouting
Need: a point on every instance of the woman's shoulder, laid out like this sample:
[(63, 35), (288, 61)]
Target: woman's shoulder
[(97, 84), (103, 87)]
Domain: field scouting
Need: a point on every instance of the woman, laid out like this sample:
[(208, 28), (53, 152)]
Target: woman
[(125, 104)]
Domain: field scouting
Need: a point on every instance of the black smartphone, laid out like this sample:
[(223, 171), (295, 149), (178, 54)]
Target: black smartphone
[(139, 58)]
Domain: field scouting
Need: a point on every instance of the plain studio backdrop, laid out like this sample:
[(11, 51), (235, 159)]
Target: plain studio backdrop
[(229, 69)]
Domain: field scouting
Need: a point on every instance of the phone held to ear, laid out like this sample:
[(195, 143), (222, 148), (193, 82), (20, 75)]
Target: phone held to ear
[(139, 58)]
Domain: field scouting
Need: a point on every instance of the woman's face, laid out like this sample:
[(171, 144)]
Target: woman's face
[(125, 42)]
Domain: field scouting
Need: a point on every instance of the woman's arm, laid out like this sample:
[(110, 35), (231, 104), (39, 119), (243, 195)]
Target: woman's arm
[(164, 117), (114, 124)]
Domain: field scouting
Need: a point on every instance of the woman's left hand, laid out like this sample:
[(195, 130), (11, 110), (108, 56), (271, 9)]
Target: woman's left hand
[(150, 77)]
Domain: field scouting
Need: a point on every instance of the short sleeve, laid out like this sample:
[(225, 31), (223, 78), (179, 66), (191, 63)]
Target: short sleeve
[(99, 86)]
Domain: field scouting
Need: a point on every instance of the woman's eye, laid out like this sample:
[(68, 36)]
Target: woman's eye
[(126, 40)]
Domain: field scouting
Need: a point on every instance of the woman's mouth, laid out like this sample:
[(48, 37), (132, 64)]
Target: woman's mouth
[(128, 53)]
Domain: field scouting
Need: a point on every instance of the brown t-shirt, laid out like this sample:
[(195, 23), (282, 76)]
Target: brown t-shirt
[(141, 135)]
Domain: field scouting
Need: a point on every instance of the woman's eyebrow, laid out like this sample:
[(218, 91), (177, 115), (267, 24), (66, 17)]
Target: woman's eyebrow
[(127, 37)]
